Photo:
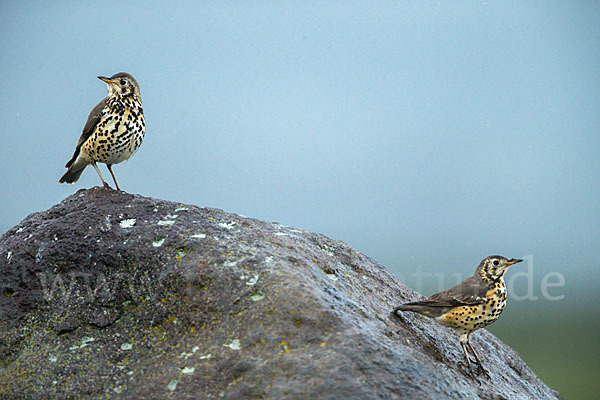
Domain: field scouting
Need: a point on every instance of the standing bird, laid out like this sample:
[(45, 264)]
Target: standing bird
[(472, 304), (113, 132)]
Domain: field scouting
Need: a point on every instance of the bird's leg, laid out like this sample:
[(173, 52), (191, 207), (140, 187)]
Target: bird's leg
[(464, 347), (106, 186), (464, 342), (478, 360), (466, 368), (474, 353), (113, 175)]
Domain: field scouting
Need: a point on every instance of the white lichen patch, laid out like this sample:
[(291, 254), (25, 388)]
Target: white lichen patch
[(181, 209), (83, 342), (53, 359), (252, 281), (107, 224), (198, 236), (186, 355), (9, 256), (127, 223), (158, 243), (165, 223), (188, 371), (205, 356), (230, 263), (258, 296), (229, 225), (328, 250), (282, 234), (269, 259), (20, 230), (126, 346), (172, 385), (234, 344), (332, 277), (171, 216)]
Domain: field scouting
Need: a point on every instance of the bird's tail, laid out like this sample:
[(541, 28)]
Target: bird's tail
[(421, 307), (409, 307), (415, 306), (76, 166), (73, 173)]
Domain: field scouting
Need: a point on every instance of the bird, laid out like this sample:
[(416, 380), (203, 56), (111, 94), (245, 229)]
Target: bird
[(113, 132), (471, 305)]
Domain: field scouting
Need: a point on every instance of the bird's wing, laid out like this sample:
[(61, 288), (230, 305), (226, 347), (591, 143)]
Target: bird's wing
[(467, 293), (471, 292), (89, 127)]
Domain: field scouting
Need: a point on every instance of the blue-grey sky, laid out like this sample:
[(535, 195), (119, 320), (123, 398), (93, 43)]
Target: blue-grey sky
[(423, 133)]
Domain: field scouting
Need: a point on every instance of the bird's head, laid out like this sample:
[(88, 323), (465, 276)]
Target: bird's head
[(494, 267), (121, 84)]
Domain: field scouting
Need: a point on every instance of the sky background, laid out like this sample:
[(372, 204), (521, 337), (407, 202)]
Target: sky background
[(426, 134)]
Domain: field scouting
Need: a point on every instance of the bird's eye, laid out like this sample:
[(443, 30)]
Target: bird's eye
[(496, 262), (123, 82)]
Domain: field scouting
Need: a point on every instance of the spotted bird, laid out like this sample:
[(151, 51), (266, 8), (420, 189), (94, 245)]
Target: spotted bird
[(471, 305), (113, 132)]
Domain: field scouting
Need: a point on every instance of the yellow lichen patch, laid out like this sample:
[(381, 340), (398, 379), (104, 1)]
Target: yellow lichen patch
[(156, 330), (283, 344)]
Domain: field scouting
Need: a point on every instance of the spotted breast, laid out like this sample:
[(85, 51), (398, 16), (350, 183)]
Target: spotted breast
[(119, 133), (468, 319)]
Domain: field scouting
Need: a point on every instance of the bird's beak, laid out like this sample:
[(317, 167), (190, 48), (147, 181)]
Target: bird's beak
[(513, 261), (107, 80)]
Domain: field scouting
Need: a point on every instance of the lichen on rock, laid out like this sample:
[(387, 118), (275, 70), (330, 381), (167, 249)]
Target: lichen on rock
[(113, 295)]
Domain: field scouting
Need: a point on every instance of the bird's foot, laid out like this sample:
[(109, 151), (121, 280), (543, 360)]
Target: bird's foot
[(473, 369), (466, 369), (482, 371), (107, 186)]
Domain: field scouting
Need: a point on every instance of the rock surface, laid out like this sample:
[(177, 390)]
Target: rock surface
[(112, 295)]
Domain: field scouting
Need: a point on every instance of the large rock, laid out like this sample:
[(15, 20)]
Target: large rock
[(112, 295)]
